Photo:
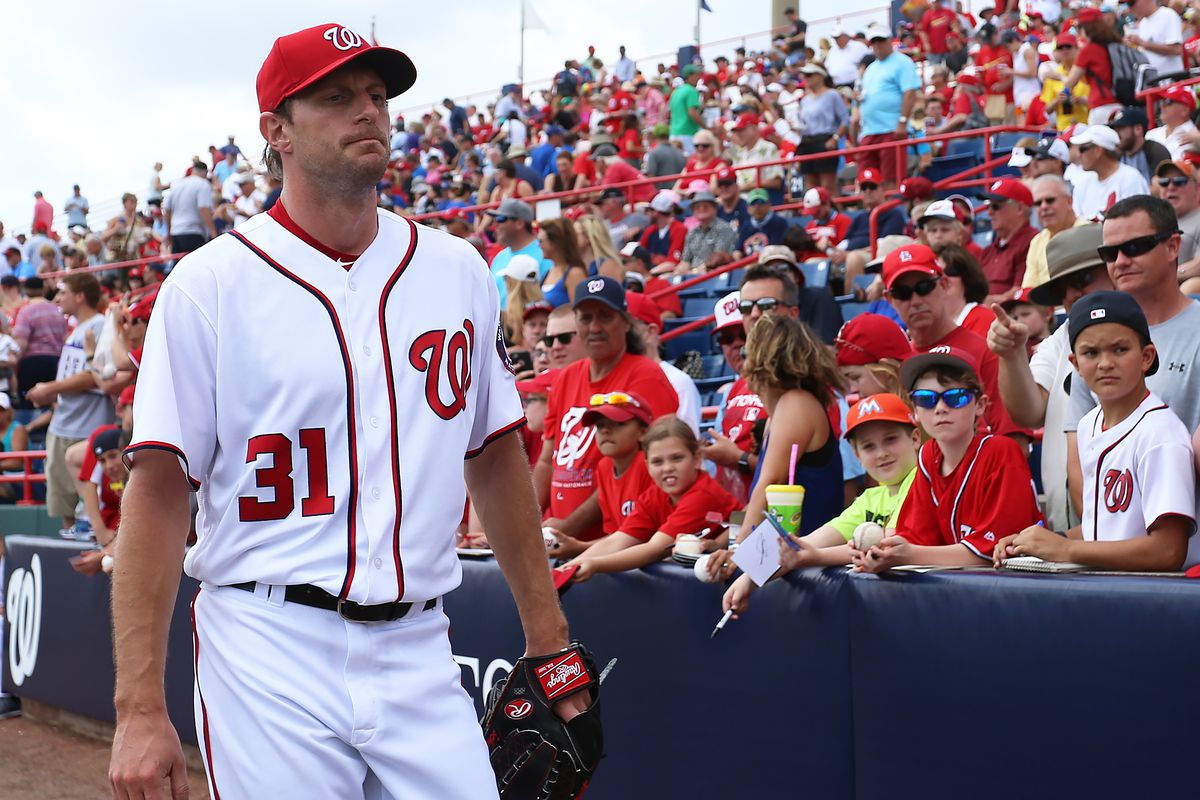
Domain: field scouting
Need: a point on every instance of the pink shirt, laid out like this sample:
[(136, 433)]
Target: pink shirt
[(43, 326)]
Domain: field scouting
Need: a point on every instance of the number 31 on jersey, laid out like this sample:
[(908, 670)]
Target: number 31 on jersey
[(274, 452)]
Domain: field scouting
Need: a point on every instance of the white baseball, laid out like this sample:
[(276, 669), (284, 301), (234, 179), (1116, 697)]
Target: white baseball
[(549, 538), (108, 372), (700, 569), (106, 564), (867, 535)]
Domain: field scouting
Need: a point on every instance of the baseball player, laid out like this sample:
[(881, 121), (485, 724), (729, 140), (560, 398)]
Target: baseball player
[(322, 377), (1138, 477)]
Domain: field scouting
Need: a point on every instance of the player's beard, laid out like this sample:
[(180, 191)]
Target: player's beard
[(343, 176)]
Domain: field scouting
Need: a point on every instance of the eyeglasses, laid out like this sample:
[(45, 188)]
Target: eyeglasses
[(730, 337), (562, 338), (953, 398), (700, 146), (765, 304), (995, 205), (1083, 148), (1048, 201), (613, 399), (868, 187), (1178, 180), (1133, 248), (923, 287), (726, 183)]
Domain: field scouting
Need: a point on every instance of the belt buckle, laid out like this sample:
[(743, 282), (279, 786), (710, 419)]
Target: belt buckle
[(342, 613)]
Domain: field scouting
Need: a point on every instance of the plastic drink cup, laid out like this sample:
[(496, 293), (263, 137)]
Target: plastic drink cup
[(785, 504)]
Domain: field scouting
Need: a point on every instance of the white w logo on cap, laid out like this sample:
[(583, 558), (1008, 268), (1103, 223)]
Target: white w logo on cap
[(343, 38), (595, 286)]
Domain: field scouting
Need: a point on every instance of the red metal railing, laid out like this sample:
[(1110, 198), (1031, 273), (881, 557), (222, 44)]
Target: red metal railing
[(29, 477)]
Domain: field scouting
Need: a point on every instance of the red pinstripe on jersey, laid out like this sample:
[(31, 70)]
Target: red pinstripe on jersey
[(352, 504), (208, 759), (1104, 454), (391, 387), (170, 448)]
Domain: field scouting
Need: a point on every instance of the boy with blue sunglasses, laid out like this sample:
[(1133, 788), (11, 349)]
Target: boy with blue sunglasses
[(971, 489)]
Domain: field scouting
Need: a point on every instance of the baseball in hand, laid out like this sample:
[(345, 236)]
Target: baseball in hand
[(700, 569), (106, 564), (108, 372), (867, 535)]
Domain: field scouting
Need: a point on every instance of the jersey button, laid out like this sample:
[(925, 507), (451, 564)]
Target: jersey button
[(376, 493), (366, 349), (374, 422), (378, 563), (352, 286)]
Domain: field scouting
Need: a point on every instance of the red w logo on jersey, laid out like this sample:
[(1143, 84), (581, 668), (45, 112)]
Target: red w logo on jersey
[(1118, 490), (457, 357)]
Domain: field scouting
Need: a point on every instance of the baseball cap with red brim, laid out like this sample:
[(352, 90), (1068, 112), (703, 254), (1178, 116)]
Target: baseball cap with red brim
[(300, 59), (617, 406), (940, 356), (910, 258), (1010, 189), (538, 384)]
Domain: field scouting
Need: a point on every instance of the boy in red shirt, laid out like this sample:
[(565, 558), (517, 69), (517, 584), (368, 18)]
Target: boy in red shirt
[(680, 501), (621, 420), (971, 489)]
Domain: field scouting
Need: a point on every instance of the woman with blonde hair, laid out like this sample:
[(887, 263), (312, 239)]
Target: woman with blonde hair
[(521, 291), (596, 248), (796, 377), (706, 156), (559, 245)]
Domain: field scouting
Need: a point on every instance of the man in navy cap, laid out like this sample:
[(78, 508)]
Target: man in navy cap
[(1130, 123)]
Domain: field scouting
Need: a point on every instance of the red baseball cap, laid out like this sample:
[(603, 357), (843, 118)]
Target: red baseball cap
[(726, 174), (909, 258), (815, 198), (1010, 189), (942, 355), (917, 188), (1066, 40), (142, 307), (1023, 295), (644, 308), (870, 338), (618, 406), (1182, 95), (869, 175), (1089, 14), (302, 58), (538, 384), (746, 120), (883, 407)]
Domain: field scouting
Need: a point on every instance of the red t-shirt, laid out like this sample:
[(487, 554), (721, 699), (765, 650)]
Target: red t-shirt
[(995, 417), (988, 496), (694, 165), (834, 229), (964, 103), (655, 512), (620, 172), (586, 167), (978, 320), (110, 497), (667, 302), (1191, 52), (618, 495), (1093, 60), (575, 457), (742, 409), (533, 444), (992, 58), (629, 144), (935, 24)]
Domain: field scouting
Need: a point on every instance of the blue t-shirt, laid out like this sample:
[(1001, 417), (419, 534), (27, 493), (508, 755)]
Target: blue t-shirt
[(891, 223), (502, 258), (754, 236), (883, 87)]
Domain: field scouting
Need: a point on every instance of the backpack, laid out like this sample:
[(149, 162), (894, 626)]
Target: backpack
[(977, 118), (1131, 72)]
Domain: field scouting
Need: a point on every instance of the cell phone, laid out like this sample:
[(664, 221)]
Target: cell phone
[(522, 360)]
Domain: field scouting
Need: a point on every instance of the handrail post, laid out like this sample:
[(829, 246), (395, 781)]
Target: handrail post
[(987, 152), (27, 484)]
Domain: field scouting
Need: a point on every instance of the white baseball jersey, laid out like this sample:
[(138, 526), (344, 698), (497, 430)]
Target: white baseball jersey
[(1135, 472), (322, 409)]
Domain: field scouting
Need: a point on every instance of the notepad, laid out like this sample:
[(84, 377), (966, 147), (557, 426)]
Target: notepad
[(1035, 564), (758, 554)]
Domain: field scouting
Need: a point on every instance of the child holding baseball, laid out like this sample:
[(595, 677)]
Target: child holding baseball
[(1136, 455), (970, 489), (885, 438), (682, 497)]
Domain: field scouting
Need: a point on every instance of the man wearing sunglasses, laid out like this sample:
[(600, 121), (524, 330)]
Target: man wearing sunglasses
[(1175, 182), (1141, 248), (562, 339), (1034, 390), (513, 221), (1003, 261), (916, 287), (1103, 179), (1052, 202), (774, 287), (1177, 133)]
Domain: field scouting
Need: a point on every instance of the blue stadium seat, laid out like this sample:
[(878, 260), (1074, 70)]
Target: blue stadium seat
[(700, 341), (948, 166), (727, 282), (816, 273), (863, 281), (707, 385), (1004, 171), (1006, 141), (715, 366), (852, 310), (698, 306)]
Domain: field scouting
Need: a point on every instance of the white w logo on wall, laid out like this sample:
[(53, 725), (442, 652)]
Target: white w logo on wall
[(24, 619), (343, 38)]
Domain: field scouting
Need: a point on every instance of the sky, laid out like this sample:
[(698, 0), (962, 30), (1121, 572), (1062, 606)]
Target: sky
[(98, 100)]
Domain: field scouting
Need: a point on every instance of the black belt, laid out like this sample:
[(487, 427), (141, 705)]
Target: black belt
[(309, 595)]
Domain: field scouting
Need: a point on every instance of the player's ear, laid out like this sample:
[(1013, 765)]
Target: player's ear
[(271, 126)]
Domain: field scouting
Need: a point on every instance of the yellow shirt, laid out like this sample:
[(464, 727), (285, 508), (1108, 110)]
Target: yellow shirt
[(1037, 271), (1079, 112)]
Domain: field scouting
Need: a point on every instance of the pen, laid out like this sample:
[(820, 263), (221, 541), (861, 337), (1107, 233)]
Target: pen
[(782, 533), (721, 624)]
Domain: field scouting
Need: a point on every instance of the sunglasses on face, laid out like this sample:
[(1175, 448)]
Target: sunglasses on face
[(1047, 201), (765, 304), (728, 338), (1132, 248), (500, 218), (562, 338), (996, 205), (953, 398), (1178, 180), (923, 287), (868, 187), (702, 146)]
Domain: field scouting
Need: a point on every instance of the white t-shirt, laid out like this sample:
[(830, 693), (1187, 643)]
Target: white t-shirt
[(184, 202), (516, 132), (689, 395), (1162, 27), (1025, 89), (8, 349), (842, 62), (1136, 472), (1094, 196), (1177, 142)]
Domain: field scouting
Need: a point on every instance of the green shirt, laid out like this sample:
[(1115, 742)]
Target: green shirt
[(876, 504), (682, 99)]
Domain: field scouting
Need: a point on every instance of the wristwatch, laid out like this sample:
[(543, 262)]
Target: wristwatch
[(743, 463), (904, 119)]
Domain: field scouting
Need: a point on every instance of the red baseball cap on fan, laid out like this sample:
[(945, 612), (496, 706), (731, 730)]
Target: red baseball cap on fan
[(868, 175), (302, 58), (869, 338), (909, 258)]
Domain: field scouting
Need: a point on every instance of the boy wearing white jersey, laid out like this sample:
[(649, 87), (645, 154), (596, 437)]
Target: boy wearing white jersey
[(1138, 473)]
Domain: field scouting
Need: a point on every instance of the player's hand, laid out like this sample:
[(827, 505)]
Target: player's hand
[(721, 450), (737, 596), (40, 395), (88, 562), (720, 564), (572, 706), (146, 754), (1037, 541), (1006, 337)]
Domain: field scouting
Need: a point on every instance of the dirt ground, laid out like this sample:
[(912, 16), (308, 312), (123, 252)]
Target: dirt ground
[(43, 757)]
